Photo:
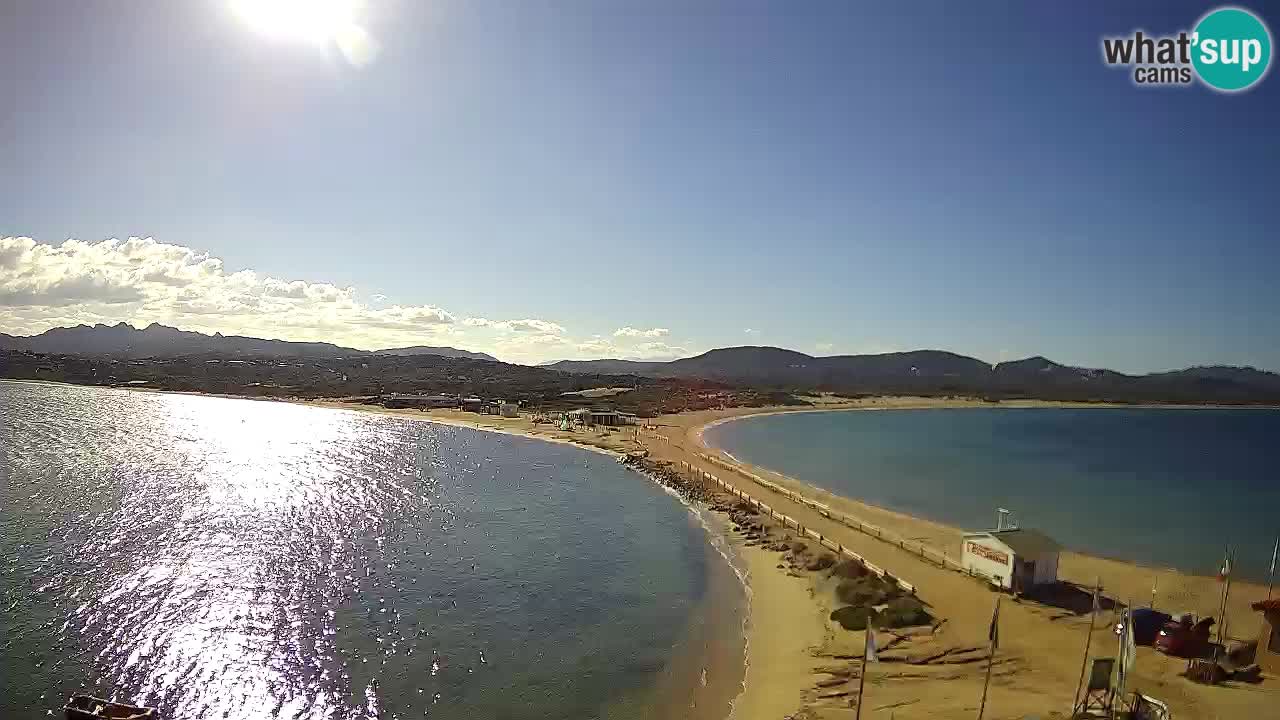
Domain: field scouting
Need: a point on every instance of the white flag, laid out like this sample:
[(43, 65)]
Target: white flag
[(870, 652), (1128, 651), (1274, 550)]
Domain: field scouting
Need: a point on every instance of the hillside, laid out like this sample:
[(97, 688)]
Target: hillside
[(936, 372), (156, 340), (436, 350)]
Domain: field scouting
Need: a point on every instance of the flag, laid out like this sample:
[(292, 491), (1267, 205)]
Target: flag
[(1097, 603), (1225, 571), (869, 654), (1128, 651), (1274, 550), (994, 633)]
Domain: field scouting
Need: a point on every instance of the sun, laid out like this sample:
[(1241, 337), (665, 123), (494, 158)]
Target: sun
[(316, 21)]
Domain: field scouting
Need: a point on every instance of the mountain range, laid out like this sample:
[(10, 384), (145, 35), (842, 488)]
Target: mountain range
[(156, 340), (924, 372), (934, 372)]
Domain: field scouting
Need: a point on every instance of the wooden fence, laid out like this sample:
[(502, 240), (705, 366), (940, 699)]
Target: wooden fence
[(788, 521), (941, 559), (915, 547)]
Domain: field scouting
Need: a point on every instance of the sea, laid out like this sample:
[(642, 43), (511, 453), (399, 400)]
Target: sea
[(226, 558), (1163, 487)]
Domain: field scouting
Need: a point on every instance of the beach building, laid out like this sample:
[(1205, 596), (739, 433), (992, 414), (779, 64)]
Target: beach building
[(1016, 559), (420, 401), (604, 417), (472, 404), (1268, 655)]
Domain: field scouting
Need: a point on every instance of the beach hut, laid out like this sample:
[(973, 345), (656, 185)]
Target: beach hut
[(1268, 655), (1016, 559)]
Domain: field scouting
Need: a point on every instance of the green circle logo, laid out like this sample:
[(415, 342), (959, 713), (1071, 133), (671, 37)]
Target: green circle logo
[(1231, 49)]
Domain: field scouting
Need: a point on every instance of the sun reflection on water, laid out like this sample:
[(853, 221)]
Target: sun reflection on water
[(217, 602), (226, 559)]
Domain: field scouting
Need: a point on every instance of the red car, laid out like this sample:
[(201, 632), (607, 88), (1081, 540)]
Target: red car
[(1184, 638)]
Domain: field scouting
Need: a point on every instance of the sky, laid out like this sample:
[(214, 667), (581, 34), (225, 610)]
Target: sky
[(574, 179)]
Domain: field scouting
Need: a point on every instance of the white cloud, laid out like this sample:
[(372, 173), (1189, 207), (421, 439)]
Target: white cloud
[(598, 346), (658, 351), (142, 281), (630, 332), (526, 325)]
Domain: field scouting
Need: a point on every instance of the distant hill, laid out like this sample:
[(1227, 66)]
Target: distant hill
[(156, 340), (936, 372), (433, 350)]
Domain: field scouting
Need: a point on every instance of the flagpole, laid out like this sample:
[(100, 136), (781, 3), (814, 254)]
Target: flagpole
[(1224, 574), (862, 679), (1088, 640), (1271, 576), (862, 676), (1222, 609), (1127, 655), (1226, 598), (1119, 663), (991, 657)]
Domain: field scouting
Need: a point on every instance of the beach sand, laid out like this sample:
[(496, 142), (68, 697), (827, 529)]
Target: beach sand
[(791, 642), (1038, 664)]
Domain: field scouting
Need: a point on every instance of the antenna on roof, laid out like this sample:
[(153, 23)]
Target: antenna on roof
[(1002, 520)]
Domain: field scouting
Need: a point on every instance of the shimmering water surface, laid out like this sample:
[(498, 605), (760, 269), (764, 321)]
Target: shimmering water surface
[(238, 559), (1167, 487)]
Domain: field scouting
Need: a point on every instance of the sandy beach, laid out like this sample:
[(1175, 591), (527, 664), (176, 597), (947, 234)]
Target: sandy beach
[(801, 662)]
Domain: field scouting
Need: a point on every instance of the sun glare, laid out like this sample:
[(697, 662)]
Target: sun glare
[(315, 21)]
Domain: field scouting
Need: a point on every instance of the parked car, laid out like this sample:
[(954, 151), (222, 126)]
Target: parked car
[(1184, 638), (1146, 624)]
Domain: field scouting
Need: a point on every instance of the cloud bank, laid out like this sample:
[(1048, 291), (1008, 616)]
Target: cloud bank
[(141, 281)]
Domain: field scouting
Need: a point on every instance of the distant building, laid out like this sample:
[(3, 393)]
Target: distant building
[(610, 418), (1268, 654), (499, 407), (472, 404), (420, 401), (1016, 559)]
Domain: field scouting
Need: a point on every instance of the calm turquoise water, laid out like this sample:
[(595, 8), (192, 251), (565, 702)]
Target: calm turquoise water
[(238, 559), (1162, 487)]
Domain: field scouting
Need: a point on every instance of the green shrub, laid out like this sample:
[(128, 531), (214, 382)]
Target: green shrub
[(863, 592), (851, 618)]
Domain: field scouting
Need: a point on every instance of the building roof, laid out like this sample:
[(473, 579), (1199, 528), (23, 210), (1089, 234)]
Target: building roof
[(1023, 541)]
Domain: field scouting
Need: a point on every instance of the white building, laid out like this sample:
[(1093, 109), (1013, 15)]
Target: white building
[(1016, 559)]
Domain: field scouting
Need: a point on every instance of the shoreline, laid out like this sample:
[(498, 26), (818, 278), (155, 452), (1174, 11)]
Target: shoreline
[(796, 660), (676, 697), (1046, 635), (805, 487)]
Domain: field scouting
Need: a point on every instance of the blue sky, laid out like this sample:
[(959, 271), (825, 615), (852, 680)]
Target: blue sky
[(836, 177)]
